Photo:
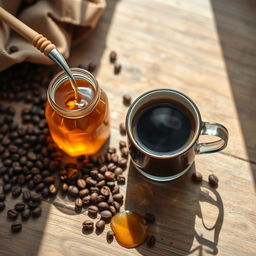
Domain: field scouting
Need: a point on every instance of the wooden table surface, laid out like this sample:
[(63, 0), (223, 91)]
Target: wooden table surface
[(206, 49)]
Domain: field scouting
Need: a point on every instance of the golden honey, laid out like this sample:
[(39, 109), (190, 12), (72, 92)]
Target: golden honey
[(77, 127)]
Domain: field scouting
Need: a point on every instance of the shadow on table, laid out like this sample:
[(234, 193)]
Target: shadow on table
[(175, 205), (92, 48), (236, 27)]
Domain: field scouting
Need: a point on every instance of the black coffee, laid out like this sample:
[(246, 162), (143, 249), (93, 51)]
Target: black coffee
[(163, 127)]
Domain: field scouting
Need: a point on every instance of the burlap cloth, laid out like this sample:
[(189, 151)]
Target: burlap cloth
[(64, 22)]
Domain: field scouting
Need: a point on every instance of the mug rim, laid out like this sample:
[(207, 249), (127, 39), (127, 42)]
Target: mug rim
[(129, 120)]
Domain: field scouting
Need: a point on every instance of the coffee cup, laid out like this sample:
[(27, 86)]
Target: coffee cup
[(163, 129)]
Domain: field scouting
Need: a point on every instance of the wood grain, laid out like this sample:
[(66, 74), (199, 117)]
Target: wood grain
[(187, 46)]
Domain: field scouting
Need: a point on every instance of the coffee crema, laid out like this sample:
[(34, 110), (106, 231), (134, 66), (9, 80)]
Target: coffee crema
[(163, 126)]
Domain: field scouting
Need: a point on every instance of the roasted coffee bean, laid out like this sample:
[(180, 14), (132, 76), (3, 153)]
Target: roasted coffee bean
[(103, 206), (94, 174), (64, 187), (16, 191), (86, 200), (94, 197), (101, 198), (117, 69), (31, 156), (36, 197), (111, 167), (35, 171), (109, 175), (121, 179), (110, 199), (125, 152), (78, 203), (213, 180), (118, 171), (25, 214), (12, 149), (6, 155), (103, 169), (111, 150), (2, 197), (3, 170), (45, 174), (15, 228), (127, 99), (12, 214), (88, 225), (112, 57), (105, 191), (33, 204), (101, 183), (122, 129), (31, 184), (73, 190), (151, 240), (26, 195), (108, 157), (6, 141), (72, 175), (6, 178), (197, 176), (81, 158), (2, 206), (112, 209), (115, 189), (111, 184), (37, 178), (110, 235), (90, 181), (49, 180), (19, 207), (39, 187), (45, 192), (81, 184), (118, 197), (100, 177), (21, 179), (122, 162), (100, 225), (37, 212), (106, 215), (94, 190), (84, 192), (93, 210), (53, 189), (7, 162), (149, 217), (114, 158)]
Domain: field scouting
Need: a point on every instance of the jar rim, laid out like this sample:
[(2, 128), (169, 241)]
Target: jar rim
[(59, 79)]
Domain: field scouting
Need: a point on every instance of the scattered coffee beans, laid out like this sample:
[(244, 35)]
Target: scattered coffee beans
[(19, 207), (88, 225), (36, 212), (127, 99), (122, 129), (15, 228), (213, 180), (117, 69), (110, 235), (25, 214), (12, 214), (112, 57), (100, 225)]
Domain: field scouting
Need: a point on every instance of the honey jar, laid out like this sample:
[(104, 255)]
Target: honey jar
[(77, 127)]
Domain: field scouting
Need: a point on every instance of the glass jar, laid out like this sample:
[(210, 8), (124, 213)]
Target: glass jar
[(84, 130)]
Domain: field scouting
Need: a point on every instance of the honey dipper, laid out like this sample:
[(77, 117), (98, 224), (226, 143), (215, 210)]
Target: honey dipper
[(38, 40)]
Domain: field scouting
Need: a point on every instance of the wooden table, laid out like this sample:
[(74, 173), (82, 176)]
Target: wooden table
[(206, 49)]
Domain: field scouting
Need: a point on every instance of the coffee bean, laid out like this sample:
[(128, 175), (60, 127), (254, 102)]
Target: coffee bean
[(112, 209), (33, 204), (121, 179), (36, 197), (109, 175), (112, 57), (111, 150), (78, 203), (39, 187), (16, 191), (114, 158), (72, 175), (13, 49), (53, 189), (110, 235), (151, 240), (12, 149), (88, 225), (117, 69), (90, 181), (81, 184), (19, 207), (103, 206), (100, 225), (2, 197), (101, 198), (110, 199), (118, 197), (49, 180), (3, 170), (45, 192), (93, 210), (73, 190), (37, 178), (94, 174), (150, 218), (31, 156), (106, 215), (118, 171), (108, 157), (122, 129), (122, 162), (86, 200), (26, 195), (100, 177), (36, 212), (15, 228), (127, 99), (21, 179), (6, 178), (213, 180), (125, 152), (84, 192), (115, 189), (103, 169), (64, 187), (7, 162), (105, 191), (12, 214), (111, 167), (101, 183), (197, 176), (31, 184), (2, 206), (25, 214)]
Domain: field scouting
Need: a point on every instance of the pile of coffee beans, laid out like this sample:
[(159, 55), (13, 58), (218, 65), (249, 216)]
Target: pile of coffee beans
[(212, 179)]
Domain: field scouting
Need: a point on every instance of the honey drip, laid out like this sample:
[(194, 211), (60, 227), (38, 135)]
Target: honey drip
[(130, 229)]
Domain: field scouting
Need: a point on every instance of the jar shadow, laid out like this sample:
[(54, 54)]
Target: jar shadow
[(176, 206)]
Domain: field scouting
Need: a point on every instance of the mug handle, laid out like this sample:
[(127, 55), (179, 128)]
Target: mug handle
[(213, 129)]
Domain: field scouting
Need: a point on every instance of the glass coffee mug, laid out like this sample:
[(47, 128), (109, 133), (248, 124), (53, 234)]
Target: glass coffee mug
[(163, 128)]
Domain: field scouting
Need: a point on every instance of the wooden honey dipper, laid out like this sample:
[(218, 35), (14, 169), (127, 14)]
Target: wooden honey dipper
[(40, 42)]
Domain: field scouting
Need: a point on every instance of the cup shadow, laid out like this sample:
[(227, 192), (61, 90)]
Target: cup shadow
[(176, 205)]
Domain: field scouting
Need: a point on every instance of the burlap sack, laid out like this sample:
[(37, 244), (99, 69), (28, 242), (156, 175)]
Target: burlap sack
[(64, 22)]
